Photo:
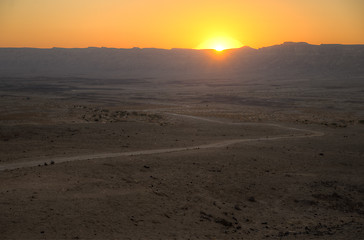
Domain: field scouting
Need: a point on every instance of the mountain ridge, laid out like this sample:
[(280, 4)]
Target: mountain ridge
[(289, 58)]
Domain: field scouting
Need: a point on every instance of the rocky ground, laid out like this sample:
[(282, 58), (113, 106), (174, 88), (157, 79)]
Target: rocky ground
[(309, 187)]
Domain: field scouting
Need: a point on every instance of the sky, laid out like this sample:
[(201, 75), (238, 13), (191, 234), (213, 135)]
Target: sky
[(178, 24)]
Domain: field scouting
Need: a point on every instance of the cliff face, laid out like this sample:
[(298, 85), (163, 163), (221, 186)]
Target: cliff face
[(300, 59)]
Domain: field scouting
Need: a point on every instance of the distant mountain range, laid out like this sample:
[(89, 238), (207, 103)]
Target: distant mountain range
[(288, 59)]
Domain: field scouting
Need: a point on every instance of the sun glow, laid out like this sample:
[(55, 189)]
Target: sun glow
[(219, 48), (220, 44)]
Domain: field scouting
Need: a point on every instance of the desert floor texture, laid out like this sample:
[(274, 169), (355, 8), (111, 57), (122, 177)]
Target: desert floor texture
[(193, 159)]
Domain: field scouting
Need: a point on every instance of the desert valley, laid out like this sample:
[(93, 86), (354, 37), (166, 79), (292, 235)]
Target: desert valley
[(101, 143)]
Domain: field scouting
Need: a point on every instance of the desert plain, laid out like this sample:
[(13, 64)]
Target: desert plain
[(195, 159)]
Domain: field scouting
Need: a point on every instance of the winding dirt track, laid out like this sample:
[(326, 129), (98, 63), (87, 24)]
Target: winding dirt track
[(304, 133)]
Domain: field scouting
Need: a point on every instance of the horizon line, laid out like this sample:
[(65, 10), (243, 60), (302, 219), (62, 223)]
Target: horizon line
[(176, 48)]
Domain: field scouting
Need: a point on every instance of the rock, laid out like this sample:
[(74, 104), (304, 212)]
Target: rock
[(223, 222), (237, 207), (251, 199)]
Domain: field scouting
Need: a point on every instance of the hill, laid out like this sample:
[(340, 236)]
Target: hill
[(286, 59)]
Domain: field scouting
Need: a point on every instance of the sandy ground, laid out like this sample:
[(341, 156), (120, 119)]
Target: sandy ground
[(104, 166)]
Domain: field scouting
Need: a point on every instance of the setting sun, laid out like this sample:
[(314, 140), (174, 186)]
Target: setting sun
[(219, 48), (220, 43)]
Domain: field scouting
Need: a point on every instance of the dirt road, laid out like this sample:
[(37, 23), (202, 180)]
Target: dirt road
[(303, 133)]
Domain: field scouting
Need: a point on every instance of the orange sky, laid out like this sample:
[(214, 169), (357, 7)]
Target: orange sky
[(177, 24)]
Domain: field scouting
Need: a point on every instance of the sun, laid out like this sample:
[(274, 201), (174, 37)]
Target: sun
[(219, 48), (220, 43)]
